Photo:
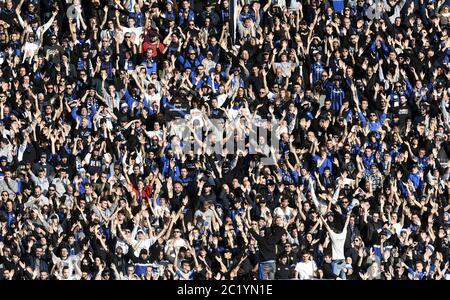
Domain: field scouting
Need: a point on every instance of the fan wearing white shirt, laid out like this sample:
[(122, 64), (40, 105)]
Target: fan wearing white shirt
[(139, 239), (337, 245), (284, 211), (395, 224), (137, 31), (307, 268), (33, 27)]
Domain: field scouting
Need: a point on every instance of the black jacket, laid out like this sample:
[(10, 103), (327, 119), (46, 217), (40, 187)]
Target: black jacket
[(267, 243)]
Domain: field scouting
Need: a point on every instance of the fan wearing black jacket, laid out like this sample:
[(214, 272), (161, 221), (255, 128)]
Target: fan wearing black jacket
[(267, 247)]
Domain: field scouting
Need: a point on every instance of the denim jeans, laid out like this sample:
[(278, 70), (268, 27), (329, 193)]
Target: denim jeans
[(338, 266), (267, 270)]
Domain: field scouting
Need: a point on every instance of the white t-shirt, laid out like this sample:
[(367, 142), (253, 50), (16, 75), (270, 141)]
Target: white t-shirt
[(285, 67), (337, 244), (123, 245), (398, 228), (306, 269), (286, 213), (137, 31), (30, 49), (145, 244)]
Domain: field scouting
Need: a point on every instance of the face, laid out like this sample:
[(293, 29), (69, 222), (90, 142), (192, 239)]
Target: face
[(130, 270), (64, 253), (306, 256), (376, 217), (43, 275)]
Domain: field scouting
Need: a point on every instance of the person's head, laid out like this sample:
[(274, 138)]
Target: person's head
[(64, 252), (43, 275), (66, 272), (7, 274), (306, 256), (177, 233), (177, 187), (376, 216), (186, 266)]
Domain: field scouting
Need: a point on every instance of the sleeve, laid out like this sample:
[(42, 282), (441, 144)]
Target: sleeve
[(363, 119), (47, 25), (74, 113), (147, 105), (382, 119), (14, 186), (134, 233), (336, 195), (314, 197), (257, 237), (34, 178), (181, 59), (129, 99)]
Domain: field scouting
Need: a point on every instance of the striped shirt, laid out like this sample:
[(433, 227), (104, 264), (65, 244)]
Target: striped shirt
[(316, 71), (337, 96)]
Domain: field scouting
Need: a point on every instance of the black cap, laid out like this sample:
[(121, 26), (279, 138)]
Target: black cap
[(207, 184)]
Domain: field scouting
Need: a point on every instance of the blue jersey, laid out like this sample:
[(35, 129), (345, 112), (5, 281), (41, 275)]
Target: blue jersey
[(337, 96), (338, 6), (316, 71)]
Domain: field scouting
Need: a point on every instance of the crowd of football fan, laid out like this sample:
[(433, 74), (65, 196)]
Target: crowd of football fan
[(100, 180)]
